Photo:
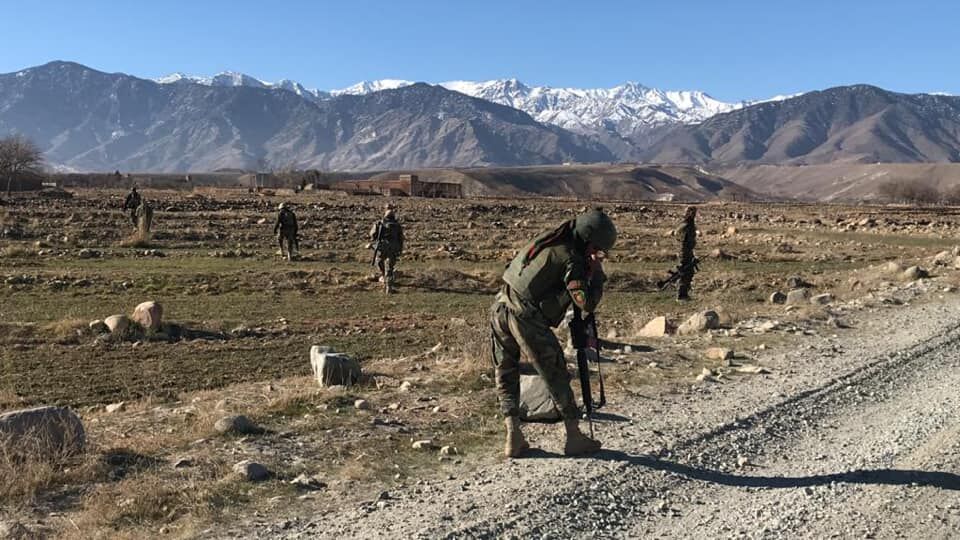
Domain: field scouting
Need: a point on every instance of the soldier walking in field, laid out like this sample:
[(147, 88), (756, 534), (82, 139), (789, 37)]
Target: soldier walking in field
[(687, 233), (131, 203), (559, 268), (287, 226), (386, 239)]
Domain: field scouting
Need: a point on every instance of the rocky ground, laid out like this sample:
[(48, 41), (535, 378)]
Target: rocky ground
[(851, 434), (811, 408)]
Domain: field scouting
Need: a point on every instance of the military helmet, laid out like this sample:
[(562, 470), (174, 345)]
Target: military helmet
[(595, 227)]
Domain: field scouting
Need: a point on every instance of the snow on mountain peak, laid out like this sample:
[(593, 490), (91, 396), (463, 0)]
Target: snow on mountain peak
[(627, 107)]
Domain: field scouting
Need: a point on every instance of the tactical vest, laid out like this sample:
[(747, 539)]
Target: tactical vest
[(540, 288), (390, 237)]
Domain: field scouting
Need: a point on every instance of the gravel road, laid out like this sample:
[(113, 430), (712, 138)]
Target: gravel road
[(851, 435)]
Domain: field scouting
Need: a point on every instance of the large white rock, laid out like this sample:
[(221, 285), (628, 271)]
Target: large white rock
[(149, 315), (117, 324), (332, 368), (657, 327), (698, 322), (536, 405), (42, 432), (798, 296)]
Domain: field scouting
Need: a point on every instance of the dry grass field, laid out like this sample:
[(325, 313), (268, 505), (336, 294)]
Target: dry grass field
[(239, 323)]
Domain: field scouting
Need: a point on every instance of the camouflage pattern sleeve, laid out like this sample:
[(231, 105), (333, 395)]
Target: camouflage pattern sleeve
[(578, 284)]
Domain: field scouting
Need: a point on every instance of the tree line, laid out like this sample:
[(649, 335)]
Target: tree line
[(917, 192)]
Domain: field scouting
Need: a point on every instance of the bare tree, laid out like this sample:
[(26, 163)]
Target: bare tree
[(18, 155)]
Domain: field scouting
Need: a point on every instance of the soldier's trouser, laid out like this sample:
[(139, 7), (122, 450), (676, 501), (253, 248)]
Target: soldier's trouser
[(531, 336), (133, 217), (387, 264), (685, 281), (288, 242)]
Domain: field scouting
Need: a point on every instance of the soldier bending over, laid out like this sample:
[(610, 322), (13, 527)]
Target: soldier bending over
[(560, 267)]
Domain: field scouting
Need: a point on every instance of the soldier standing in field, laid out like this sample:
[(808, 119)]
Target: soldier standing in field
[(558, 268), (287, 226), (386, 238), (687, 233), (131, 203)]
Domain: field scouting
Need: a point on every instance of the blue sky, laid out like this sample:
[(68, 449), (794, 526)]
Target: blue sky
[(731, 49)]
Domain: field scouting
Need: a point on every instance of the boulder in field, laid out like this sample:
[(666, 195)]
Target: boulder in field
[(237, 424), (43, 432), (333, 369), (117, 324), (914, 273), (821, 299), (699, 322), (99, 327), (149, 315), (719, 353), (251, 471), (798, 296), (657, 327)]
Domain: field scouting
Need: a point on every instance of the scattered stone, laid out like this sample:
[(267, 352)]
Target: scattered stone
[(731, 230), (704, 375), (308, 483), (237, 424), (251, 471), (87, 253), (449, 451), (719, 353), (117, 324), (893, 267), (183, 463), (332, 369), (406, 386), (116, 407), (705, 320), (720, 254), (361, 405), (798, 296), (425, 444), (149, 315), (536, 403), (99, 327), (914, 273), (778, 297), (944, 258), (742, 461), (47, 432), (750, 368), (797, 282), (657, 327), (821, 299), (653, 365)]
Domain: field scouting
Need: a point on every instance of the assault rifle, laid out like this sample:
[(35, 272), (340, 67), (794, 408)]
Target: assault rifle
[(692, 266), (376, 243), (583, 333)]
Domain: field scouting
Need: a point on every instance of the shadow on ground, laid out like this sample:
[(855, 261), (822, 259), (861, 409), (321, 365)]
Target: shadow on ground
[(892, 477)]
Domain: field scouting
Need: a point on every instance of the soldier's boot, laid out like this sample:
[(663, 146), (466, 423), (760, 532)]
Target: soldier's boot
[(516, 444), (576, 443)]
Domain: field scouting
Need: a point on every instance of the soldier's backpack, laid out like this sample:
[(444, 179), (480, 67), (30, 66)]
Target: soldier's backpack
[(390, 237)]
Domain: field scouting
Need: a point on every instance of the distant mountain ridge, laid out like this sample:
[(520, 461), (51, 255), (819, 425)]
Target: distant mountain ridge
[(623, 110), (88, 120), (851, 124)]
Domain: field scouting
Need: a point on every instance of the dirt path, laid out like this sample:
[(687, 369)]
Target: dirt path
[(853, 434)]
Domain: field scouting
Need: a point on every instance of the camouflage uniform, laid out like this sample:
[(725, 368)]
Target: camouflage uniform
[(688, 241), (287, 225), (539, 286), (386, 236), (131, 203)]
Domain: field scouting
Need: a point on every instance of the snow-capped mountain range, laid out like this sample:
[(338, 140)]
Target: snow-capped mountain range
[(624, 109)]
